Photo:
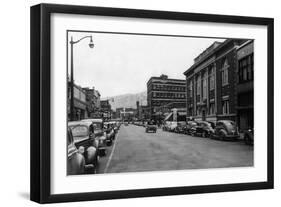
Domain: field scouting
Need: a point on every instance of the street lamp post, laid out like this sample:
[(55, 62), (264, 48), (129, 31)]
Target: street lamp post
[(91, 45)]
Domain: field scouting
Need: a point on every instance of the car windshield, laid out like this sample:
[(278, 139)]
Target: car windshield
[(79, 131), (97, 126)]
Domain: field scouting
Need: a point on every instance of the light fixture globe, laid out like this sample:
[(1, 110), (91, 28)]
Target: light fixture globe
[(91, 44)]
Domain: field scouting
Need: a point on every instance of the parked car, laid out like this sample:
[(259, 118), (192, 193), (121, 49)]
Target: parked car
[(114, 126), (99, 134), (151, 126), (172, 126), (226, 130), (75, 160), (203, 128), (180, 127), (249, 137), (86, 142), (109, 130), (188, 127)]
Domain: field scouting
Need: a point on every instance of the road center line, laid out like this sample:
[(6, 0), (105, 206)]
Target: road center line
[(112, 152)]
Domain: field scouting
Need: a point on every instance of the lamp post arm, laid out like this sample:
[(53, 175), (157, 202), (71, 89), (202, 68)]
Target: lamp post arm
[(74, 42)]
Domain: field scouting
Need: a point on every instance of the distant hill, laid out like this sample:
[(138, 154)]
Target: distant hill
[(127, 100)]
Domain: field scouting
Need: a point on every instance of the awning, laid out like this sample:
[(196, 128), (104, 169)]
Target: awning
[(168, 116)]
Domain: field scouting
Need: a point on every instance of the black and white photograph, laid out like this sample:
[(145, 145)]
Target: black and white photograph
[(130, 103), (139, 102)]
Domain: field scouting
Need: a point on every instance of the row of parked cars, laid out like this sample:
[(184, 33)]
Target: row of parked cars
[(87, 141), (222, 129)]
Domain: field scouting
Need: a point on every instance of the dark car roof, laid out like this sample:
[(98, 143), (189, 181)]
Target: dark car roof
[(76, 123), (225, 121), (92, 120)]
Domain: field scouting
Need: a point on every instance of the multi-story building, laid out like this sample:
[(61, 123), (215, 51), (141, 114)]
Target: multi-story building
[(80, 103), (97, 100), (245, 91), (162, 91), (93, 101), (105, 109), (212, 82), (90, 100)]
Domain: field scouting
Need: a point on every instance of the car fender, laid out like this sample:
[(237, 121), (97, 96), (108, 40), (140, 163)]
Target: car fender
[(76, 164), (90, 155), (223, 131)]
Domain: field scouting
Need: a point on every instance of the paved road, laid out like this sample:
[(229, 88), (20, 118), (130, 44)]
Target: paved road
[(136, 150)]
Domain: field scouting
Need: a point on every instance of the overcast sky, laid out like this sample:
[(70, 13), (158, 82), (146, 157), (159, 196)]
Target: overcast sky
[(121, 63)]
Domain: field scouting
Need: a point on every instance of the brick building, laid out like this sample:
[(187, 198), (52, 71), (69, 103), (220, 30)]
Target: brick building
[(212, 82), (162, 91), (245, 89), (93, 101), (80, 103)]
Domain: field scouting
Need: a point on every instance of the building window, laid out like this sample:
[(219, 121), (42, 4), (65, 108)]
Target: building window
[(212, 108), (198, 86), (197, 112), (225, 107), (205, 86), (190, 89), (224, 73), (212, 79), (246, 69)]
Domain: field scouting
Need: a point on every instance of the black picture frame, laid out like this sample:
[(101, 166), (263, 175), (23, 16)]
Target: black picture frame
[(41, 96)]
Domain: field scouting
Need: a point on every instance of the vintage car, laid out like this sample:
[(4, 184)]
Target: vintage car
[(172, 126), (188, 127), (75, 160), (99, 134), (249, 136), (203, 128), (226, 130), (110, 134), (86, 142), (114, 126), (180, 127), (151, 127)]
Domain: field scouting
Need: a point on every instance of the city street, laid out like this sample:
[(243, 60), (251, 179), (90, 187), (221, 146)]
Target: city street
[(135, 151)]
